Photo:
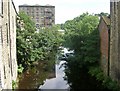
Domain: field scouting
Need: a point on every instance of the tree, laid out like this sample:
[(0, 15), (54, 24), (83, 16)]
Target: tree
[(35, 46), (78, 29), (24, 40)]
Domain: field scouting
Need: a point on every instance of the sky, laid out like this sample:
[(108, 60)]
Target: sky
[(69, 9)]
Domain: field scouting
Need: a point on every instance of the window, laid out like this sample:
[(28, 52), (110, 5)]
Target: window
[(13, 23), (1, 7), (27, 13), (0, 80), (4, 73), (37, 14), (27, 8), (7, 33), (37, 25), (1, 37), (37, 20), (37, 8)]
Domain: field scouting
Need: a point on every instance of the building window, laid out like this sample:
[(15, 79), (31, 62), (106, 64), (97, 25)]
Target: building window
[(37, 8), (1, 38), (7, 33), (37, 14), (13, 23), (37, 25), (4, 73), (1, 7), (37, 20), (27, 8), (27, 13), (37, 17), (52, 20)]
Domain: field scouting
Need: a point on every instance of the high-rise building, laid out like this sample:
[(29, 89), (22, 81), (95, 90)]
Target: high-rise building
[(43, 16)]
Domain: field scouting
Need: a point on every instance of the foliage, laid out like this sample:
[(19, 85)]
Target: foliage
[(35, 45), (82, 36), (24, 40), (102, 14), (106, 81), (20, 69), (78, 29), (14, 84)]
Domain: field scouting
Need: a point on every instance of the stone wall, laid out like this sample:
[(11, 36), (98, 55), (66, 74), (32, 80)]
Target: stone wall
[(115, 41), (13, 17), (8, 46), (1, 62)]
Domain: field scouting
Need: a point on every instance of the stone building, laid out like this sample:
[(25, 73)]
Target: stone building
[(104, 29), (8, 63), (115, 40), (43, 16)]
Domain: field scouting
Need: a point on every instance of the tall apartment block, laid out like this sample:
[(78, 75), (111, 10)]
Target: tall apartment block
[(43, 16)]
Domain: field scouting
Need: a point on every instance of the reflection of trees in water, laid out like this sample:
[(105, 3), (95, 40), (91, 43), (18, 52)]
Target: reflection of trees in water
[(79, 78), (35, 76)]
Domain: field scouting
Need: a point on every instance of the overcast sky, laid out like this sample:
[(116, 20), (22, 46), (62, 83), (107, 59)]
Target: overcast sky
[(69, 9)]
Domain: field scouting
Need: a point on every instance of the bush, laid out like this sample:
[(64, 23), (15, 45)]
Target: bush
[(20, 69)]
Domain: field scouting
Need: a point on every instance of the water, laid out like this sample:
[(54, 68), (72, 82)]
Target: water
[(38, 78), (58, 82), (33, 78)]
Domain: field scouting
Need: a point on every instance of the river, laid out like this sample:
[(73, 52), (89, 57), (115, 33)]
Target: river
[(52, 78), (58, 82), (38, 78)]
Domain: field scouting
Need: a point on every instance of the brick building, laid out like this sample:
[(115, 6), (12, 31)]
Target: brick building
[(43, 16), (104, 29), (8, 63)]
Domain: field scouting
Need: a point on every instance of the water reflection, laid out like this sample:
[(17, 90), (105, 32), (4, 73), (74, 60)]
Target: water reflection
[(33, 78), (58, 82)]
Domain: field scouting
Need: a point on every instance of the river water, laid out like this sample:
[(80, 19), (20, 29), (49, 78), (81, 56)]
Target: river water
[(38, 78), (58, 82)]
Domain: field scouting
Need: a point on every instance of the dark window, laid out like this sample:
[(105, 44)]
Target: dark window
[(37, 25), (1, 7), (37, 8), (28, 13), (52, 20), (4, 73), (1, 35), (7, 33), (27, 8)]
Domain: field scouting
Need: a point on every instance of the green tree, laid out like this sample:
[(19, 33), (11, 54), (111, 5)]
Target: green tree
[(35, 46), (24, 40), (78, 29)]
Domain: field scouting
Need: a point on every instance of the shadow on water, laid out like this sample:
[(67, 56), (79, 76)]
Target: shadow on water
[(80, 80)]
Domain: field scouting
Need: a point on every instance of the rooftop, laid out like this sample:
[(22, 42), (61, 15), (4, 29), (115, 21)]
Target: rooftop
[(36, 5), (106, 19)]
